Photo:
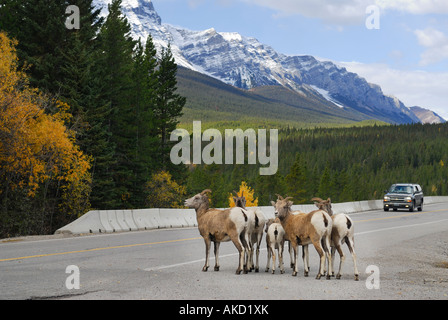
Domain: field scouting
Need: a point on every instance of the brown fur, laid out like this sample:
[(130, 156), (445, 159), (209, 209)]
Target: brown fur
[(217, 226), (300, 230)]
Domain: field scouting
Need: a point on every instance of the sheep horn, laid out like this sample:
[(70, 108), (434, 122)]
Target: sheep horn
[(317, 199), (205, 191), (236, 193), (279, 196), (287, 198)]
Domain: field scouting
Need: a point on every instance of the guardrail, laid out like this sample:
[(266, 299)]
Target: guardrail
[(109, 221)]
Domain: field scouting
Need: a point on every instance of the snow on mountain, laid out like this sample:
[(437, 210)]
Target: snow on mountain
[(246, 63)]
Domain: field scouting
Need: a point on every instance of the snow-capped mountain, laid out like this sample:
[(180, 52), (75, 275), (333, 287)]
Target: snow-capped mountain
[(246, 63)]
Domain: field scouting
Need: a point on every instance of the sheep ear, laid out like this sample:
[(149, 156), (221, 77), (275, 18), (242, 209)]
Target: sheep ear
[(329, 200), (234, 200), (273, 203), (290, 203)]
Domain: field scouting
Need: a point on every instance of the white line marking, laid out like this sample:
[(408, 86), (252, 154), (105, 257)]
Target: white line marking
[(235, 254), (185, 263), (400, 227)]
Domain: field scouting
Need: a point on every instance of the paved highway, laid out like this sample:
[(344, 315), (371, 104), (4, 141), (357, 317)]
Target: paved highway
[(408, 252)]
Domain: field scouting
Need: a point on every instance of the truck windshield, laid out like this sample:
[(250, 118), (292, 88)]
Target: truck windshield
[(401, 189)]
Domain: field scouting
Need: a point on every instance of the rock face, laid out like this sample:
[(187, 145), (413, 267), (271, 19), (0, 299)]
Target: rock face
[(246, 63), (427, 116)]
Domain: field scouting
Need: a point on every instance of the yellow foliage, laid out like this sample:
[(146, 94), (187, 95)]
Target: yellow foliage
[(248, 194), (34, 146), (163, 192)]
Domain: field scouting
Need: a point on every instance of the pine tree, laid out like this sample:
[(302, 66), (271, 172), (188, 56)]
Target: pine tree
[(116, 61), (296, 182), (145, 143), (39, 27), (167, 109)]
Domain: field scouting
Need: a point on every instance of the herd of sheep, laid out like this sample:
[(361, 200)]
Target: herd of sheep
[(245, 227)]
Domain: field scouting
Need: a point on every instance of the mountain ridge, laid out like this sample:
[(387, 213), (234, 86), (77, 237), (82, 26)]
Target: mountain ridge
[(246, 63)]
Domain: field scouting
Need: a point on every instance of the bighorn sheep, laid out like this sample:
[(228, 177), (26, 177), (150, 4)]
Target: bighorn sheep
[(254, 231), (275, 240), (342, 231), (304, 229), (219, 226)]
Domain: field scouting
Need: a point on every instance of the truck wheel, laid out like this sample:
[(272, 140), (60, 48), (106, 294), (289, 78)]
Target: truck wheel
[(411, 208), (421, 207)]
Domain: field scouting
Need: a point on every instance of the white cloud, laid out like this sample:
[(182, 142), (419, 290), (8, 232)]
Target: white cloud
[(413, 88), (415, 6), (338, 12), (349, 12), (436, 44)]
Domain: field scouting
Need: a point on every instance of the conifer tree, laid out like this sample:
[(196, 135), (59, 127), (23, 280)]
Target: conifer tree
[(116, 61), (167, 109), (296, 182)]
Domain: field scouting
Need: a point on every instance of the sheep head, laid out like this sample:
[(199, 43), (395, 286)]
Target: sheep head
[(196, 201), (239, 201), (282, 206), (324, 205)]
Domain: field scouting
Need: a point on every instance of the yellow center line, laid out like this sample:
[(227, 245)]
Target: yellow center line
[(401, 216), (97, 249)]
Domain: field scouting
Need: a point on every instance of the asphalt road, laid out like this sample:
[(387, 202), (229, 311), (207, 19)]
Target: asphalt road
[(408, 252)]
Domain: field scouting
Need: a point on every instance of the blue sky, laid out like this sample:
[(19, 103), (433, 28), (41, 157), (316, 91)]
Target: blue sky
[(407, 56)]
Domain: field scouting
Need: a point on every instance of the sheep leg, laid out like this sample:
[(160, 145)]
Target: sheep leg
[(280, 258), (321, 253), (240, 244), (269, 258), (351, 247), (306, 260), (333, 250), (295, 249), (291, 264), (257, 266), (341, 261), (207, 252), (326, 245), (273, 258), (217, 255)]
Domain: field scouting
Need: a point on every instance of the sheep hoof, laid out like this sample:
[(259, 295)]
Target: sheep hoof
[(356, 277), (217, 268), (338, 277), (294, 274), (328, 277), (273, 272), (238, 272), (257, 270), (282, 271), (267, 270), (318, 276), (204, 269), (306, 274)]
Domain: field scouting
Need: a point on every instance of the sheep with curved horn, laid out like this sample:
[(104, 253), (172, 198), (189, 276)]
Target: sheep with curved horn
[(220, 226), (304, 229)]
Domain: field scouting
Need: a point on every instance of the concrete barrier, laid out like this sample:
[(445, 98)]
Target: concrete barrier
[(108, 221)]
